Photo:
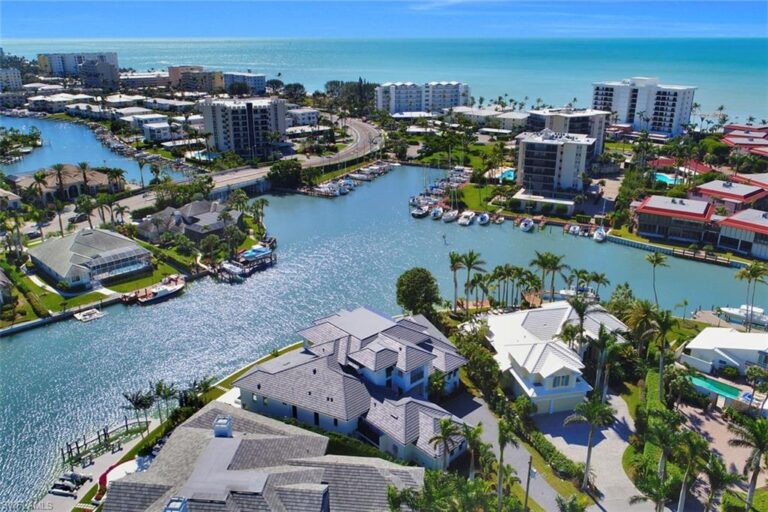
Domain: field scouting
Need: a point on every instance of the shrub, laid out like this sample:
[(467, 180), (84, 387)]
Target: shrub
[(730, 373), (561, 210), (560, 464), (583, 219), (547, 208), (514, 204)]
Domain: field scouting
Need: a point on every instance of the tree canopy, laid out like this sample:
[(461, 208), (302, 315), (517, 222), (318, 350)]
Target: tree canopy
[(417, 291)]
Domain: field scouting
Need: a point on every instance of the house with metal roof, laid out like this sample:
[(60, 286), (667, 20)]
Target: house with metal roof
[(535, 363), (714, 348), (351, 363), (227, 459), (88, 256)]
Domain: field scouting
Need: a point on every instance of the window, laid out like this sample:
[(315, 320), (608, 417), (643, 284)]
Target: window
[(335, 422), (561, 381), (317, 419), (417, 374), (265, 401)]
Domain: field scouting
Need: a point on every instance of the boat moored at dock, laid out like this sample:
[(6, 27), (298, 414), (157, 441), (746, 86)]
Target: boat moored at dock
[(484, 219), (753, 314), (527, 225), (467, 217), (436, 213), (169, 287), (599, 235), (89, 315), (419, 212), (450, 215)]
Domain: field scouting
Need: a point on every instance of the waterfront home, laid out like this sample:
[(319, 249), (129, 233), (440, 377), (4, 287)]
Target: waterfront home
[(353, 365), (686, 169), (224, 458), (9, 200), (157, 132), (124, 100), (715, 348), (89, 111), (169, 105), (88, 256), (6, 289), (245, 126), (138, 121), (57, 103), (195, 220), (140, 80), (476, 116), (72, 183), (669, 218), (10, 79), (731, 196), (130, 112), (745, 232), (536, 363), (256, 82)]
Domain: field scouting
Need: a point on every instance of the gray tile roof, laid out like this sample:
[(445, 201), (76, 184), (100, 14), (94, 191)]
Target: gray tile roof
[(409, 421), (85, 248), (197, 216), (322, 332), (246, 473), (319, 384), (359, 484), (360, 322)]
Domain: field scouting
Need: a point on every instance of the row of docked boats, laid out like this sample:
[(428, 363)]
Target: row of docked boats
[(598, 235), (465, 218), (347, 183), (243, 265)]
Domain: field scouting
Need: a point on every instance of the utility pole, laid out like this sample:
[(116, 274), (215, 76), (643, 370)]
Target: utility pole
[(528, 483)]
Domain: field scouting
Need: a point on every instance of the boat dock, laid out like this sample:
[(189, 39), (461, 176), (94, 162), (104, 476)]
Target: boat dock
[(148, 292), (247, 262)]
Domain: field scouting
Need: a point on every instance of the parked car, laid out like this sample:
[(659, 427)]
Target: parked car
[(80, 217), (32, 234)]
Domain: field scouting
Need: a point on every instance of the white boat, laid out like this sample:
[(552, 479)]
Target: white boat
[(89, 315), (419, 212), (581, 291), (574, 230), (450, 215), (466, 218), (527, 225), (599, 234), (499, 220), (483, 219), (169, 287), (755, 314), (436, 213)]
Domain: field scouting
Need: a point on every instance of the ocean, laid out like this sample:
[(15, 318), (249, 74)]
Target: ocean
[(730, 72)]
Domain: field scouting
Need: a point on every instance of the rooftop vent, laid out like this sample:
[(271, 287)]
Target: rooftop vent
[(765, 215), (176, 504), (674, 201), (222, 426), (727, 184)]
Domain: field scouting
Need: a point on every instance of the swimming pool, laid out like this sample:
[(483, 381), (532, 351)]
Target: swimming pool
[(667, 178), (508, 175), (714, 386)]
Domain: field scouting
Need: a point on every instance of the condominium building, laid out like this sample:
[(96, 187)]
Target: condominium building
[(175, 72), (10, 79), (256, 82), (550, 161), (98, 74), (397, 97), (148, 79), (246, 126), (646, 104), (584, 121), (68, 64), (157, 132), (304, 116), (202, 81)]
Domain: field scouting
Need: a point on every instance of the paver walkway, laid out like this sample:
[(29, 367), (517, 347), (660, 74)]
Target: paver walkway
[(609, 445), (474, 410)]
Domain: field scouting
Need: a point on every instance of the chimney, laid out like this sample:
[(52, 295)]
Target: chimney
[(177, 217), (176, 504), (222, 426)]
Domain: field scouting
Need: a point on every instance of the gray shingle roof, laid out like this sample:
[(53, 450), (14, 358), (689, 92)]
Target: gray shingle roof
[(246, 473), (360, 322), (319, 384)]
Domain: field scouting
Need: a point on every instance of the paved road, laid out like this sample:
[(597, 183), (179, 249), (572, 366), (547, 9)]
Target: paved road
[(474, 410), (609, 446)]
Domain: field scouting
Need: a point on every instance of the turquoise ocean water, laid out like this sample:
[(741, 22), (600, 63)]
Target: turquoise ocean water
[(733, 72)]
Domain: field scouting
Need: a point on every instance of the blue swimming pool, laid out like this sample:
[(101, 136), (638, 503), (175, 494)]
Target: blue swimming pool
[(508, 175), (667, 178)]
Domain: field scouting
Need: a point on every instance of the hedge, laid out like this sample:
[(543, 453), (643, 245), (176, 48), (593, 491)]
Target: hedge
[(34, 302), (560, 464)]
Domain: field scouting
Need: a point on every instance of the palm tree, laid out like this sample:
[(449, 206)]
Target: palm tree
[(752, 274), (472, 262), (640, 320), (582, 308), (84, 168), (752, 434), (596, 414), (600, 344), (447, 431), (141, 163), (656, 259), (40, 181), (85, 204), (718, 478), (506, 437), (572, 504), (656, 490), (120, 210), (569, 334), (556, 266), (134, 404), (663, 323), (166, 393), (662, 429), (692, 449), (238, 200), (541, 262), (474, 439), (600, 279), (59, 209), (611, 354), (59, 169)]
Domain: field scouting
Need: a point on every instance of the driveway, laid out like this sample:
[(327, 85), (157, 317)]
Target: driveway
[(474, 410), (608, 447)]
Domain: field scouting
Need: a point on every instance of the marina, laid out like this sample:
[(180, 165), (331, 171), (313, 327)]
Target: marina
[(327, 250)]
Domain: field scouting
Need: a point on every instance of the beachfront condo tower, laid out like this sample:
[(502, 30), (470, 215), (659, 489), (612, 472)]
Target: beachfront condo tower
[(249, 127), (550, 163), (68, 64), (646, 104), (584, 121), (398, 97)]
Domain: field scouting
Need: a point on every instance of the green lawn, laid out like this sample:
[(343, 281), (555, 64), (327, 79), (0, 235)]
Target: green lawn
[(733, 501), (623, 232), (618, 146), (564, 488), (135, 283), (684, 331), (53, 301), (475, 153), (24, 312), (476, 197), (632, 394)]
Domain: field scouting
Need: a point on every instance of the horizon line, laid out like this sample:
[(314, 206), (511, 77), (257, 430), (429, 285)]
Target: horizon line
[(375, 38)]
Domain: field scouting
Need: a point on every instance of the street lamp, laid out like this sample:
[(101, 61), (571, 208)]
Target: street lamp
[(531, 474)]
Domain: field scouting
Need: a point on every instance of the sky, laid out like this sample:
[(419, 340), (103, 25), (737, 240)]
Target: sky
[(33, 19)]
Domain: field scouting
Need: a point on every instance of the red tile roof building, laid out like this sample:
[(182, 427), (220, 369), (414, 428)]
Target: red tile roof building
[(745, 232), (685, 220), (732, 196)]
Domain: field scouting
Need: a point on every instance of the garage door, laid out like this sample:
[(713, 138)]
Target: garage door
[(564, 404)]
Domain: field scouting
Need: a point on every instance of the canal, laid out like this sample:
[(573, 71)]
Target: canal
[(67, 379), (67, 143)]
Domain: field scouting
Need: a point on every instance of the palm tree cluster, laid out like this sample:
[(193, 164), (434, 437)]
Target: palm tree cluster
[(754, 274)]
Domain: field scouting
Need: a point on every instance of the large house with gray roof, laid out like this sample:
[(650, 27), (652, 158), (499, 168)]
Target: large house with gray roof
[(88, 256), (195, 220), (536, 363), (353, 365), (229, 460)]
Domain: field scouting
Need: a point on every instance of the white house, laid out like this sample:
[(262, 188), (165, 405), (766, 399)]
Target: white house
[(304, 116), (717, 347), (138, 121), (154, 132), (535, 363), (355, 364)]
